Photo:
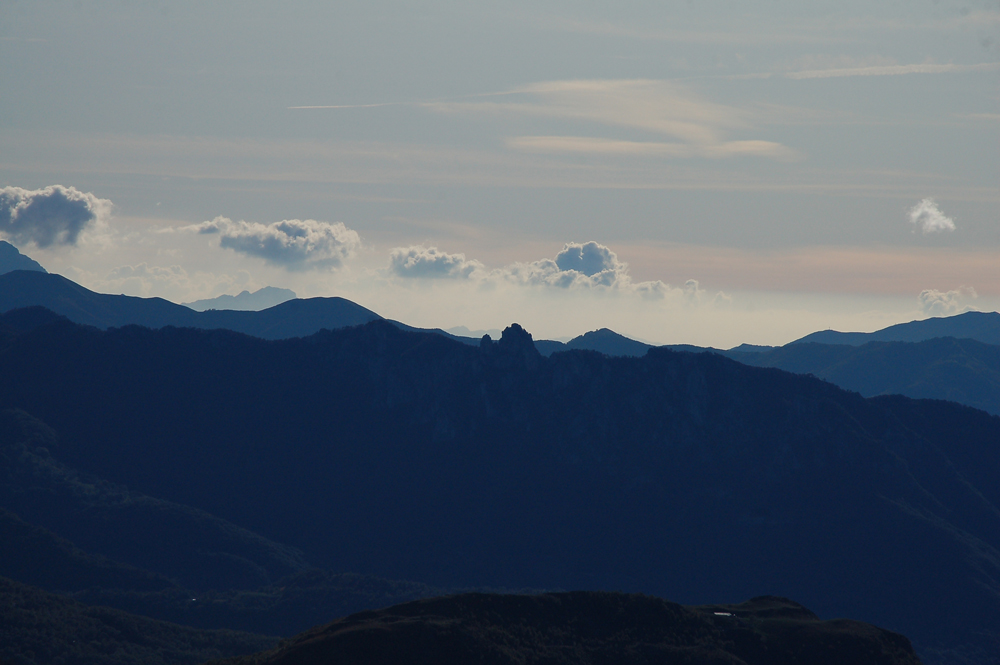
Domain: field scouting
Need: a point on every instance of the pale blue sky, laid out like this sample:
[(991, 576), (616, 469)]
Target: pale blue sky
[(771, 151)]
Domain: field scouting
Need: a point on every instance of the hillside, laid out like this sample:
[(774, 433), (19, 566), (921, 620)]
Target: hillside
[(958, 370), (411, 456), (589, 628), (293, 318), (981, 326), (40, 628)]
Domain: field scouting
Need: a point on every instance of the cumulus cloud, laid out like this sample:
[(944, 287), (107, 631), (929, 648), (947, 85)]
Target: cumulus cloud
[(430, 262), (589, 264), (294, 244), (54, 215), (927, 217), (946, 303)]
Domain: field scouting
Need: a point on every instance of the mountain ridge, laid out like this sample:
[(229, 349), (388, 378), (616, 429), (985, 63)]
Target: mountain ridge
[(496, 466)]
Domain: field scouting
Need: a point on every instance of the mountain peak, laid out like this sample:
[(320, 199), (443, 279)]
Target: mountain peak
[(11, 259)]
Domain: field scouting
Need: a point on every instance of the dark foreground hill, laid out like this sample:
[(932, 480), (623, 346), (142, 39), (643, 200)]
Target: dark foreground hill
[(588, 628), (40, 628), (411, 456)]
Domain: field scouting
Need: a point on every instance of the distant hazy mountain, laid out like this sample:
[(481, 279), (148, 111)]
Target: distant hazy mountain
[(245, 301), (959, 370), (588, 627), (980, 326), (11, 259), (412, 456), (462, 331)]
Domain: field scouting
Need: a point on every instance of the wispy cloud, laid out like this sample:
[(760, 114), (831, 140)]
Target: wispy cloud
[(658, 107), (585, 144), (893, 70)]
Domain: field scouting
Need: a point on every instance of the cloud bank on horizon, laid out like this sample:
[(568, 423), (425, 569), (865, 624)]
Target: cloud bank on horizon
[(53, 215), (588, 265)]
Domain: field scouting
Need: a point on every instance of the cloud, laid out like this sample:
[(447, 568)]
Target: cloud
[(946, 303), (293, 244), (588, 265), (697, 126), (429, 262), (892, 70), (54, 215), (586, 144), (929, 219)]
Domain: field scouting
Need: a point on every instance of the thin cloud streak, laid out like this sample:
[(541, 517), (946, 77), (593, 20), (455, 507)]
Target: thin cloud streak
[(892, 70)]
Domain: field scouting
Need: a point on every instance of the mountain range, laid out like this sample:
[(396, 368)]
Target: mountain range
[(410, 456), (245, 301)]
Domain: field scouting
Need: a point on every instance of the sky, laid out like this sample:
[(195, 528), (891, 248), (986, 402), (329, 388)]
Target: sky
[(711, 172)]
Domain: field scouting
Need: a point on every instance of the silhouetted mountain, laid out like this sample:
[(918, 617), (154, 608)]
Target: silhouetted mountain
[(294, 318), (27, 318), (410, 456), (609, 342), (959, 370), (980, 326), (581, 628), (42, 628), (245, 301), (603, 341), (199, 550), (11, 259)]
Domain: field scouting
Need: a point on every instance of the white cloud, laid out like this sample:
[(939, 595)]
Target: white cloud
[(927, 217), (54, 215), (293, 244), (430, 262), (588, 265), (946, 303)]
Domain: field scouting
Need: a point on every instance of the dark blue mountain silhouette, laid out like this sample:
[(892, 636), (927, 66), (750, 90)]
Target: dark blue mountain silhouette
[(411, 456), (980, 326), (959, 370), (11, 259), (294, 318)]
